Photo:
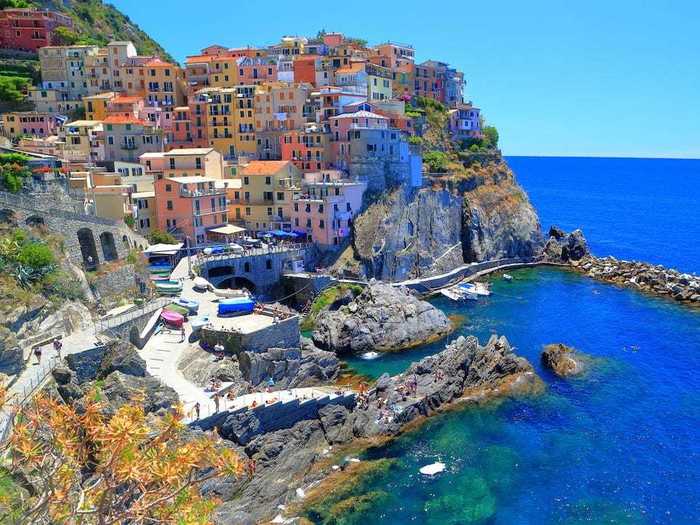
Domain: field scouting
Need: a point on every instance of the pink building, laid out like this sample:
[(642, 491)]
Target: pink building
[(188, 207), (34, 123), (326, 206)]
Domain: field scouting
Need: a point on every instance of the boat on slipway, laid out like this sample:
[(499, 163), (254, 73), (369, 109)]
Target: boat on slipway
[(466, 292), (168, 287)]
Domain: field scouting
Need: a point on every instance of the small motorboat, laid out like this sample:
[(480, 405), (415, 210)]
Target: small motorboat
[(177, 309), (370, 355), (507, 277), (236, 306), (191, 305), (475, 289), (200, 283), (168, 287), (172, 318), (432, 469), (458, 294), (229, 292), (198, 322)]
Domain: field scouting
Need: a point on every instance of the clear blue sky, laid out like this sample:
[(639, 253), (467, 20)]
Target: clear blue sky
[(598, 78)]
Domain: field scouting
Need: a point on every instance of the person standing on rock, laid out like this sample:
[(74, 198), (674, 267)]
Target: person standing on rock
[(217, 400), (57, 345), (196, 409)]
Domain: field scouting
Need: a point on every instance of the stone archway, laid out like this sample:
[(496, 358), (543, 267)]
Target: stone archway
[(109, 249), (220, 271), (238, 283), (88, 248), (8, 216), (35, 221)]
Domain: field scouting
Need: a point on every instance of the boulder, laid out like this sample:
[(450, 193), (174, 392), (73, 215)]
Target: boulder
[(382, 318), (11, 360), (86, 364), (123, 357), (120, 389), (62, 375), (335, 423), (563, 360), (289, 367), (563, 247)]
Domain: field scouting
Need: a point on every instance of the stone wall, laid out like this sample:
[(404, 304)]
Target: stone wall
[(283, 334), (119, 282)]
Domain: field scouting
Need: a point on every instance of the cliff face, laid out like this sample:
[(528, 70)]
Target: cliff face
[(476, 215)]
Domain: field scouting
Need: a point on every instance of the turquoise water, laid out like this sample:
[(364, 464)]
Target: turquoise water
[(620, 444)]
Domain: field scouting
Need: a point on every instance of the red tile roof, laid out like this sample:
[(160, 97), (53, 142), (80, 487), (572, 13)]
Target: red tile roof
[(264, 167), (120, 119)]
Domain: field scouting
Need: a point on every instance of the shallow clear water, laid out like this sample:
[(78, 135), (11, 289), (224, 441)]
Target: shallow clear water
[(620, 444)]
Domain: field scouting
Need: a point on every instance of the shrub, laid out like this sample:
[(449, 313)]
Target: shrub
[(36, 256), (61, 286), (490, 137), (436, 161), (159, 236)]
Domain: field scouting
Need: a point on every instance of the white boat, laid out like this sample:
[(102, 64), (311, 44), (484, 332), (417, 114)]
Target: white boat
[(370, 355), (229, 293), (432, 469), (479, 289), (458, 294), (507, 277), (200, 283)]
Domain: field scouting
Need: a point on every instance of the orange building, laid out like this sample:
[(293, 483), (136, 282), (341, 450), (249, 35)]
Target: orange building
[(309, 149)]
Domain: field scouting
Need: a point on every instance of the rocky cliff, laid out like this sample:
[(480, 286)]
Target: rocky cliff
[(473, 214)]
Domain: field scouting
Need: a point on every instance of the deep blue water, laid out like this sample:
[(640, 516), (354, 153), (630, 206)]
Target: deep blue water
[(631, 208), (620, 444)]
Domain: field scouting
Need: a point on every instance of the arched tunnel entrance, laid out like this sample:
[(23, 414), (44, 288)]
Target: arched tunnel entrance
[(35, 221), (238, 283), (88, 248), (8, 216), (109, 249)]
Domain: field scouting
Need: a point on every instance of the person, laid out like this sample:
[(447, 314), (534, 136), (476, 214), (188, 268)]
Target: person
[(196, 409), (219, 348), (57, 345), (37, 353), (217, 399), (182, 334)]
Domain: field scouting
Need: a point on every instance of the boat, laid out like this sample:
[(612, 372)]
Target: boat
[(160, 268), (200, 283), (432, 469), (168, 287), (458, 294), (159, 277), (475, 288), (370, 355), (177, 309), (191, 305), (507, 277), (172, 318), (198, 322), (236, 306), (230, 292)]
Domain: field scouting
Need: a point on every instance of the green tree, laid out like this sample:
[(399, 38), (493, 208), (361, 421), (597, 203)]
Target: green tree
[(65, 37), (158, 236), (13, 171), (12, 88), (490, 137), (436, 161)]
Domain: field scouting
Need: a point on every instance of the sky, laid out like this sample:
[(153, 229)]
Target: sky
[(593, 78)]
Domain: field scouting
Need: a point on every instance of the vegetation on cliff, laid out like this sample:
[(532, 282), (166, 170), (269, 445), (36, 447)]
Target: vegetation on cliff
[(13, 171), (70, 465)]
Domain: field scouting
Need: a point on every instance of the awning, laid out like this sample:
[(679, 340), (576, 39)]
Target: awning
[(229, 229), (163, 249)]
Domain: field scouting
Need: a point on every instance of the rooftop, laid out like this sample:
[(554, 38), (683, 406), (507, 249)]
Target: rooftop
[(120, 119), (360, 114), (188, 151), (192, 179), (264, 167)]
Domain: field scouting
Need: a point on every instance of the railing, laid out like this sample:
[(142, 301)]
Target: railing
[(251, 252), (130, 315), (202, 193)]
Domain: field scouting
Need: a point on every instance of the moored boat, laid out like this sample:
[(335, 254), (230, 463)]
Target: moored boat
[(200, 283), (168, 287), (198, 322), (236, 306), (475, 288), (191, 305), (230, 292), (172, 318), (177, 309)]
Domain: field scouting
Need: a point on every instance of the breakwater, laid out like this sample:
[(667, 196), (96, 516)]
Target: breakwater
[(648, 278)]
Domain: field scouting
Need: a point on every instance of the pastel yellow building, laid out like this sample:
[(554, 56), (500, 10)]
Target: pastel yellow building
[(96, 105), (264, 200), (230, 119)]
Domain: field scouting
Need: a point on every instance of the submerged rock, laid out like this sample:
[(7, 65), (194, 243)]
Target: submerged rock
[(563, 360), (381, 318)]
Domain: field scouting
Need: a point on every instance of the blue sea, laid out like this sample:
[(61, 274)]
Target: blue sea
[(619, 445)]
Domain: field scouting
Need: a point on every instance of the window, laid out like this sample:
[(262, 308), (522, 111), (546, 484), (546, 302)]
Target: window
[(168, 187), (246, 267), (322, 224), (320, 208), (268, 180), (172, 163), (198, 163), (169, 205), (110, 140), (347, 206), (280, 196), (247, 211), (268, 264), (269, 212), (246, 181), (267, 195)]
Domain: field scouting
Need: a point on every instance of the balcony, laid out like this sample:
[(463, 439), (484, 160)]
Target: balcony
[(202, 192)]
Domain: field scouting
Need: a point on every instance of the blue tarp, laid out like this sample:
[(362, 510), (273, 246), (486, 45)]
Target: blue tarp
[(280, 233), (236, 305)]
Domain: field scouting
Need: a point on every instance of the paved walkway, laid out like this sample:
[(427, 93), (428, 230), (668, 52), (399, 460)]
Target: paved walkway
[(34, 374), (165, 348)]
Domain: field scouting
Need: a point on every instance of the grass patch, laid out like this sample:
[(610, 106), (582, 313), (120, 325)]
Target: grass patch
[(326, 298)]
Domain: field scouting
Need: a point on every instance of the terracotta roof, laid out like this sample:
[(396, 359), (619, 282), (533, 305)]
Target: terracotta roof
[(120, 119), (157, 62), (354, 68), (264, 167), (123, 99)]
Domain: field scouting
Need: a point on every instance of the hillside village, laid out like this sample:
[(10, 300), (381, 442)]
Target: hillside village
[(287, 137)]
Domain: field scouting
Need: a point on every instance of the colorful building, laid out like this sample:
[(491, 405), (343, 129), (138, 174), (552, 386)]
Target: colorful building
[(309, 149), (96, 105), (28, 29), (127, 138), (264, 199), (326, 206), (188, 206), (33, 123), (198, 162), (465, 122)]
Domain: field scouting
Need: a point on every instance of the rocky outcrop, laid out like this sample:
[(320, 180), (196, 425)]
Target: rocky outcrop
[(563, 247), (475, 216), (290, 367), (120, 389), (290, 458), (572, 249), (563, 360), (648, 278), (122, 357), (381, 318)]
